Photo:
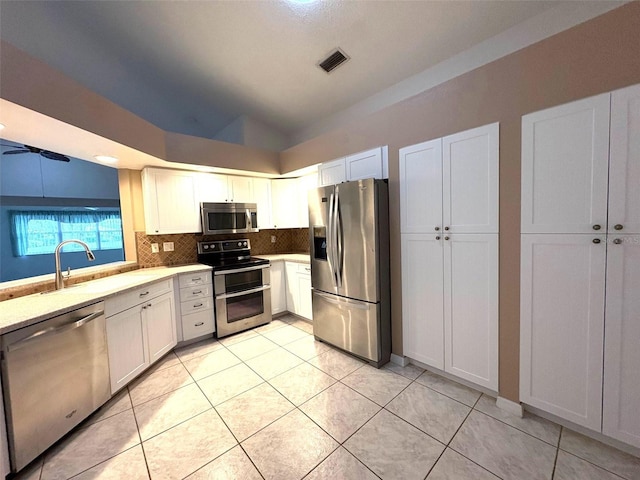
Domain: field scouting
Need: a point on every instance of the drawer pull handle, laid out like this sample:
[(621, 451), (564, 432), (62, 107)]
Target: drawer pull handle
[(197, 292), (199, 324), (196, 279), (144, 294), (197, 305)]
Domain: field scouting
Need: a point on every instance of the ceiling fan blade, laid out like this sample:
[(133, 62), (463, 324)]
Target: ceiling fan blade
[(14, 152), (54, 156)]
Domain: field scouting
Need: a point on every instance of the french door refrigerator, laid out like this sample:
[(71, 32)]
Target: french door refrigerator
[(349, 246)]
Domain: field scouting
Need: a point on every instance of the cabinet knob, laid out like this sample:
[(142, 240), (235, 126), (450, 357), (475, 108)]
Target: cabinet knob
[(446, 238), (617, 241), (446, 228), (437, 237), (597, 227), (437, 229), (618, 226), (596, 240)]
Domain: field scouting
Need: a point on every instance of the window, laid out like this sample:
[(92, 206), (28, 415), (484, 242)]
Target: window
[(39, 232)]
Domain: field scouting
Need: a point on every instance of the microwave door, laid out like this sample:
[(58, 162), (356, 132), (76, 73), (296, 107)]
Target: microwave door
[(320, 238)]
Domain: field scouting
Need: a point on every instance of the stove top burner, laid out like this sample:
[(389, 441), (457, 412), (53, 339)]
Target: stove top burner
[(228, 254)]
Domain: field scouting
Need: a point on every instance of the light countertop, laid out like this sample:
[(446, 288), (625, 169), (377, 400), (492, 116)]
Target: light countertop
[(23, 311), (288, 257)]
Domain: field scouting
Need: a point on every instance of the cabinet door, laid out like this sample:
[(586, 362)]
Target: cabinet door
[(422, 299), (286, 207), (212, 187), (470, 180), (624, 167), (305, 183), (293, 288), (421, 187), (160, 322), (364, 165), (333, 172), (241, 189), (171, 204), (278, 288), (471, 308), (262, 197), (304, 290), (565, 153), (562, 325), (127, 346), (620, 417)]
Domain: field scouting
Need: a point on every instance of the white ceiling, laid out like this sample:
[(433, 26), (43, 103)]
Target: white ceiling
[(195, 66)]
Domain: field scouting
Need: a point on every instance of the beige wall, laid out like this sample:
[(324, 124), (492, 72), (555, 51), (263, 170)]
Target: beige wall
[(597, 56)]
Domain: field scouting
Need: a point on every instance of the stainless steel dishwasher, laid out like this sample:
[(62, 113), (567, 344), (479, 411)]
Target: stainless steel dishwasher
[(54, 374)]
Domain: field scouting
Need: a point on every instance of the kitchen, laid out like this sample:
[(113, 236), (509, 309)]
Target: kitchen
[(427, 117)]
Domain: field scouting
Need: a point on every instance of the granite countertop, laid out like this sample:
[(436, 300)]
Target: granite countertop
[(23, 311), (288, 257)]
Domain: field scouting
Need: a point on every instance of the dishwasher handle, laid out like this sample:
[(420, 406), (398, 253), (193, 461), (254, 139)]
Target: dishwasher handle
[(46, 332)]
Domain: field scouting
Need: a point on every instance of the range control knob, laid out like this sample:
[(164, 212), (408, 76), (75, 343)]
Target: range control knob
[(206, 247), (239, 244), (244, 244)]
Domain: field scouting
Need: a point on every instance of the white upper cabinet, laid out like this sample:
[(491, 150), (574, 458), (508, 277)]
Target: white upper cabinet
[(305, 183), (290, 204), (624, 173), (470, 180), (421, 187), (240, 189), (451, 184), (333, 172), (262, 198), (622, 338), (565, 152), (170, 201), (212, 187), (562, 325), (372, 163)]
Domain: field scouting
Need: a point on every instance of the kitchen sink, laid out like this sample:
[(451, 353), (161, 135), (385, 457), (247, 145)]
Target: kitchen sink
[(108, 284)]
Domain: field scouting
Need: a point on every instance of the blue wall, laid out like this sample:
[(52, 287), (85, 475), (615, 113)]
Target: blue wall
[(28, 181)]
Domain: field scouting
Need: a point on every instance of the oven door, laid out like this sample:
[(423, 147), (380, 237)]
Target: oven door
[(243, 298)]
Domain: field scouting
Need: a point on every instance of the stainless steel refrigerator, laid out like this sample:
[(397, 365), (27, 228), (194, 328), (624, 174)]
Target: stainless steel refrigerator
[(349, 237)]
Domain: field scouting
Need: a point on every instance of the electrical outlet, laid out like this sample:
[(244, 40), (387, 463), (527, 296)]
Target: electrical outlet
[(167, 246), (273, 239), (155, 248)]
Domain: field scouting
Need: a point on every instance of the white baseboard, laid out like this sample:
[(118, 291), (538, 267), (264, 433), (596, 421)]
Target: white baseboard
[(510, 406), (398, 360)]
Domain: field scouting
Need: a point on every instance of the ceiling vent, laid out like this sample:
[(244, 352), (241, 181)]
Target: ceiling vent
[(333, 61)]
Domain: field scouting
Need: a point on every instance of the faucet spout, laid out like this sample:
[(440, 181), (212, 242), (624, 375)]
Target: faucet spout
[(59, 277)]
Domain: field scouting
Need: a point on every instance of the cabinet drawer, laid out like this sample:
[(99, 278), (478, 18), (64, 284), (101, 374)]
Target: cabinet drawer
[(195, 279), (304, 268), (202, 291), (127, 300), (196, 305), (197, 324)]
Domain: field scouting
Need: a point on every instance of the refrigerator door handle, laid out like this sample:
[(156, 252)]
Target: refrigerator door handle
[(343, 301), (330, 246), (337, 233)]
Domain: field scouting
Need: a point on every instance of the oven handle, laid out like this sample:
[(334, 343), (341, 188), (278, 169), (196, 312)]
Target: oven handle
[(238, 270), (244, 292)]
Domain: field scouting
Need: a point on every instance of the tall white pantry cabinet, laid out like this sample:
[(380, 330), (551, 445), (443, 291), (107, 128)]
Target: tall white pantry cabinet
[(449, 241), (580, 263)]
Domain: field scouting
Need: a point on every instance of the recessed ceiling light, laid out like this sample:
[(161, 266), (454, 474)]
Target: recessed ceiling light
[(1, 126), (105, 158)]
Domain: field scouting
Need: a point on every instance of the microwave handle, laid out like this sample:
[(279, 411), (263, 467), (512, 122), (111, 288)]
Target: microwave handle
[(247, 212)]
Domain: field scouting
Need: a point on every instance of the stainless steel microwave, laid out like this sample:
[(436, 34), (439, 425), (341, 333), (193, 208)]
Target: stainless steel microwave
[(228, 218)]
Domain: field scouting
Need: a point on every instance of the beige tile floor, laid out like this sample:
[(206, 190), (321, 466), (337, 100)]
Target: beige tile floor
[(273, 403)]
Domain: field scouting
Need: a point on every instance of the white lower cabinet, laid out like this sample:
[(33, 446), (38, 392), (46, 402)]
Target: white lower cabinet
[(196, 309), (298, 296), (621, 419), (562, 325), (450, 304), (278, 288), (141, 328)]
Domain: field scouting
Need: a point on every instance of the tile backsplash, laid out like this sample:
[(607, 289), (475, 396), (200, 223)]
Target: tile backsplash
[(290, 240)]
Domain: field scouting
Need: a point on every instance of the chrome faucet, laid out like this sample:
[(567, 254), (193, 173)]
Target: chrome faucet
[(60, 278)]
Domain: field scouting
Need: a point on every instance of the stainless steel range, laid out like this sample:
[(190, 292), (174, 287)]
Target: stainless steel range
[(241, 285)]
